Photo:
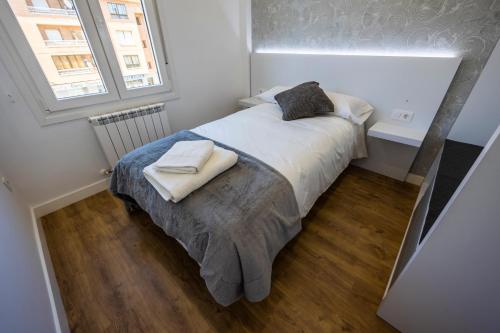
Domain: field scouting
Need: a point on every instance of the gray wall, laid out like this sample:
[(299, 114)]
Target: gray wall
[(24, 299), (469, 27)]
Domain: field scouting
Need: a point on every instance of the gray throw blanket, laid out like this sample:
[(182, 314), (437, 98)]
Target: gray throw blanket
[(234, 226)]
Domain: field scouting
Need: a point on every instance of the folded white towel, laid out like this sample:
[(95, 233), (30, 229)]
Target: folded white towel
[(186, 157), (176, 187)]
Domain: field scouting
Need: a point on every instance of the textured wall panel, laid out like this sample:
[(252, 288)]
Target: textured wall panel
[(470, 28)]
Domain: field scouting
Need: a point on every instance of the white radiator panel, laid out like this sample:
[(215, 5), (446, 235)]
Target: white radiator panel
[(121, 132), (134, 132)]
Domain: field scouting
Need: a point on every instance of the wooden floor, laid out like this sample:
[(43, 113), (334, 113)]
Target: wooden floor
[(120, 273)]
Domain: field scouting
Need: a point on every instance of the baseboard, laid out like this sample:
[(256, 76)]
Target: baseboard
[(414, 179), (57, 308), (69, 198)]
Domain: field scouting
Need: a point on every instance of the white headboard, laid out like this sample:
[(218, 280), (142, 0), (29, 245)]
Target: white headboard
[(416, 84)]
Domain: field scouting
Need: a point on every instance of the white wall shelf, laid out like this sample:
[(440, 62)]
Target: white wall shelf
[(250, 102), (404, 135)]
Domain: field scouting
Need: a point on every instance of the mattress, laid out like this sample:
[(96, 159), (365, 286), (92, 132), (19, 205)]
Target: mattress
[(311, 153)]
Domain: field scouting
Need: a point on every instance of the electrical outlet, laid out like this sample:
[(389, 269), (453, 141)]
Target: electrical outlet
[(403, 115), (106, 172)]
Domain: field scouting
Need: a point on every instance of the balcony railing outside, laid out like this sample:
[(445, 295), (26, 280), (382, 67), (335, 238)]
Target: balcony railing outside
[(66, 42), (52, 11), (76, 71), (71, 90)]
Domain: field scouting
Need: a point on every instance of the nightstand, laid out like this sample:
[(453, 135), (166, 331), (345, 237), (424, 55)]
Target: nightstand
[(249, 102), (392, 149)]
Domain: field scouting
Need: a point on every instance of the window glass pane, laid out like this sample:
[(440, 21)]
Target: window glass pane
[(117, 11), (56, 36), (132, 42)]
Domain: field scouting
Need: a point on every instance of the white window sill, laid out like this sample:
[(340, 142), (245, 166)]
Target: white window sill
[(46, 118)]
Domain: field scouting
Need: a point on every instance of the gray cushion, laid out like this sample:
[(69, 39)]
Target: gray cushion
[(304, 100)]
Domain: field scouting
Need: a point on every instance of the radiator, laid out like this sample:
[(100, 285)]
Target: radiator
[(121, 132)]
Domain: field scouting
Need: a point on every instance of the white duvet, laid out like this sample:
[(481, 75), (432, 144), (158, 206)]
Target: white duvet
[(311, 153)]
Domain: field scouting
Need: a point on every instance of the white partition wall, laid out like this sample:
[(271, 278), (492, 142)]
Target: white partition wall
[(452, 281), (389, 83)]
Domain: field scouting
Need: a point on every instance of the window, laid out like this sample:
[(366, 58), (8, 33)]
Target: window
[(124, 37), (132, 61), (40, 4), (47, 44), (138, 20), (142, 55), (77, 58), (53, 34), (117, 10), (58, 7)]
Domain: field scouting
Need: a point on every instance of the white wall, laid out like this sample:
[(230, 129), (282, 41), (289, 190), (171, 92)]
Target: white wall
[(208, 49), (481, 114), (451, 282), (24, 299)]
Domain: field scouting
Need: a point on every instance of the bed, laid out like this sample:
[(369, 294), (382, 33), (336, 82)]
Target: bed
[(235, 225)]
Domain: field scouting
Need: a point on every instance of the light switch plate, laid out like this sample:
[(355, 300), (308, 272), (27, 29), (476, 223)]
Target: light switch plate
[(403, 115)]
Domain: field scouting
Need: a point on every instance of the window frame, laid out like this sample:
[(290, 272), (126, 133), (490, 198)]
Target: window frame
[(30, 78)]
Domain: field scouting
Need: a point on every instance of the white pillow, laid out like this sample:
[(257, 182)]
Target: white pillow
[(349, 107), (268, 95)]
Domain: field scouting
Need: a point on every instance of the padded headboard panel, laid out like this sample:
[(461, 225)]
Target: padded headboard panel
[(417, 84)]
